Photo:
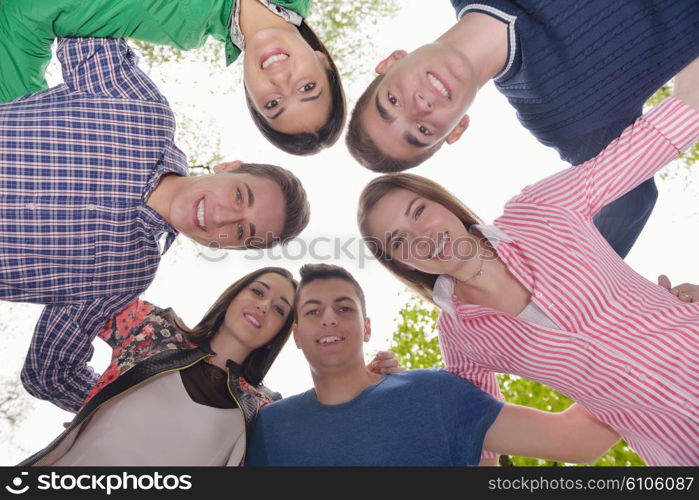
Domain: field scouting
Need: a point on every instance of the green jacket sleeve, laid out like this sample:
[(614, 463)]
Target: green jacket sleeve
[(27, 30)]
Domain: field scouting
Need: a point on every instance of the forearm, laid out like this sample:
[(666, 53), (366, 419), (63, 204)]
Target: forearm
[(27, 31), (686, 87), (569, 436), (66, 387), (56, 368)]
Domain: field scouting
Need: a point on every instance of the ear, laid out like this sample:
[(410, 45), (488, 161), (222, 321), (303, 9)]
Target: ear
[(457, 131), (367, 329), (392, 59), (324, 60), (228, 166), (294, 331)]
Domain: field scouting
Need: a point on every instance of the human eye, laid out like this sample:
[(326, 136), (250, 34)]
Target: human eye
[(423, 130), (311, 312), (418, 211), (397, 242), (271, 104), (307, 87), (279, 310), (240, 231), (345, 309), (238, 196), (258, 292), (392, 99)]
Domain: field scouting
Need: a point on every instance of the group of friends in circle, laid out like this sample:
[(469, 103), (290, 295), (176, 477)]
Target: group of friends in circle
[(93, 191)]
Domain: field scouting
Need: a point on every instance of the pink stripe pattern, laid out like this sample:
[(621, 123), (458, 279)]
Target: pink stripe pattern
[(627, 350)]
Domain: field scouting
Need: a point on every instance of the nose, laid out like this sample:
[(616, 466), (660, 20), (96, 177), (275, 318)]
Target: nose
[(263, 306), (226, 213), (329, 318), (282, 79), (422, 102)]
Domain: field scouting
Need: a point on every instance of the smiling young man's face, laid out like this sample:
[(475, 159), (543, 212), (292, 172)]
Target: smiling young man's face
[(330, 325), (227, 209), (421, 101)]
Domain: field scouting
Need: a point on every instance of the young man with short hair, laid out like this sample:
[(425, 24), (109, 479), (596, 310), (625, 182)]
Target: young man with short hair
[(578, 73), (354, 417), (94, 191)]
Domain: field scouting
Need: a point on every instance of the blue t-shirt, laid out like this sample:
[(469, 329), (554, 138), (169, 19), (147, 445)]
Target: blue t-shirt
[(415, 418), (579, 72)]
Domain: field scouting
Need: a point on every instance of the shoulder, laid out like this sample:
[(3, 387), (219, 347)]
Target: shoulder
[(295, 403), (419, 377)]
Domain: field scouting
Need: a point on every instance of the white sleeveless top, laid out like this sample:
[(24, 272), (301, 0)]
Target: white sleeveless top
[(157, 423)]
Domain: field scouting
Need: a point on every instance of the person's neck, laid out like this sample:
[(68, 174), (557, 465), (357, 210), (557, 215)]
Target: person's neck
[(483, 276), (159, 199), (255, 17), (225, 349), (482, 40), (342, 386)]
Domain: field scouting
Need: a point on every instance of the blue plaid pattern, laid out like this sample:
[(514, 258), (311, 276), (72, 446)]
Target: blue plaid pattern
[(77, 163)]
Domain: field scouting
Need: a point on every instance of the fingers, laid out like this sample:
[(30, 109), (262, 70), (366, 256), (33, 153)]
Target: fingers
[(385, 362), (686, 292), (664, 282), (385, 355)]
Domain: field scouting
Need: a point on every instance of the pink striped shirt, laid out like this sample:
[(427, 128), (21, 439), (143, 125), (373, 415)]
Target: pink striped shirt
[(627, 350)]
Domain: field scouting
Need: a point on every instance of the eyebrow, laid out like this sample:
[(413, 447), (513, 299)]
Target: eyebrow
[(311, 98), (303, 99), (383, 112), (263, 284), (276, 115), (268, 288), (251, 197), (318, 302), (251, 202), (407, 211), (412, 140)]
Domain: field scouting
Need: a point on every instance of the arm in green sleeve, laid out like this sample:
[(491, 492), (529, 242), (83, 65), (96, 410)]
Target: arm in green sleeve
[(27, 30)]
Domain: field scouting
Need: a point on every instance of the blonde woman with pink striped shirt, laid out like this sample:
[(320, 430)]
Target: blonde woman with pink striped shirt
[(540, 294)]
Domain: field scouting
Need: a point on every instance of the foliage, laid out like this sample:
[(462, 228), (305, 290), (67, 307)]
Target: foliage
[(415, 343), (342, 26)]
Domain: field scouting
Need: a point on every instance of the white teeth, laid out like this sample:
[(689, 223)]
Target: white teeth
[(329, 340), (440, 247), (253, 320), (273, 59), (200, 215), (438, 85)]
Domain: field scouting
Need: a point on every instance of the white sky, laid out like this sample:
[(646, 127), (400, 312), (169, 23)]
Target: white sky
[(494, 160)]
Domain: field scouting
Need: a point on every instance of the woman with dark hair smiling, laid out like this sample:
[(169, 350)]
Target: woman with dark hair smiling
[(540, 294), (174, 395), (292, 86)]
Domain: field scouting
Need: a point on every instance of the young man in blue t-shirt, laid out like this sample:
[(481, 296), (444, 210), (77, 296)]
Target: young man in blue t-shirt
[(578, 73), (417, 418)]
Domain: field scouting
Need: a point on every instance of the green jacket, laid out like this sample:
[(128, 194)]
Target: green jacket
[(28, 28)]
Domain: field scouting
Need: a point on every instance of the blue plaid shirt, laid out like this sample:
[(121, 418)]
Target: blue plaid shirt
[(77, 164)]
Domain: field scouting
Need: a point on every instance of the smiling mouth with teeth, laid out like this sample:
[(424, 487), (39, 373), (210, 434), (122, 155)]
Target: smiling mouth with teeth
[(438, 85), (200, 215), (440, 246), (273, 59), (330, 340), (252, 320)]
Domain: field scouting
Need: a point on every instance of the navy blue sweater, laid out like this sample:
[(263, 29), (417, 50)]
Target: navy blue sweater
[(581, 70)]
